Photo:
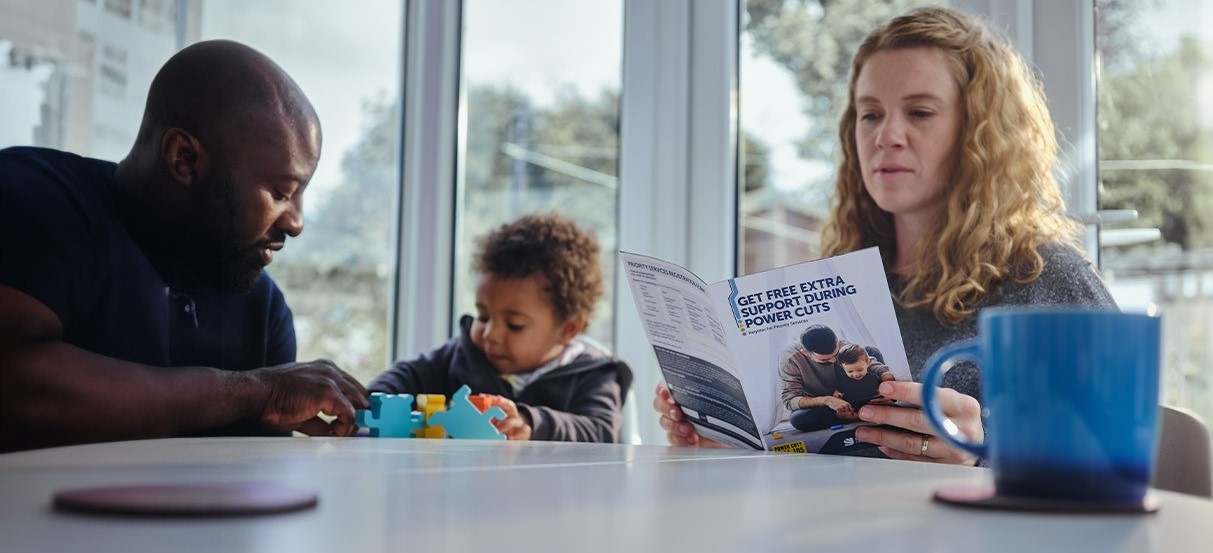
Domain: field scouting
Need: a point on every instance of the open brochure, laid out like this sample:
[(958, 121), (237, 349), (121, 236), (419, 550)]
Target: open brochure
[(725, 348)]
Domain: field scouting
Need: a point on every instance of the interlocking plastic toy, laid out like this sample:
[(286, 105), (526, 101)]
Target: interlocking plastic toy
[(464, 420), (392, 416), (429, 404)]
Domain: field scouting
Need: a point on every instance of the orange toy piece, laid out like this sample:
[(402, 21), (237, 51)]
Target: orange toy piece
[(481, 401)]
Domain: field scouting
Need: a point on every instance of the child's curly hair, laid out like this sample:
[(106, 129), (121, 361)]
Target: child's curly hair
[(551, 246)]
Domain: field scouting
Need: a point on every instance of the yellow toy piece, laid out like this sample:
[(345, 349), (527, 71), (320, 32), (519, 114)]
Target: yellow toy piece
[(429, 404)]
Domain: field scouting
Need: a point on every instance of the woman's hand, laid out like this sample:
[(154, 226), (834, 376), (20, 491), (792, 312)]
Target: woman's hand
[(677, 431), (918, 441)]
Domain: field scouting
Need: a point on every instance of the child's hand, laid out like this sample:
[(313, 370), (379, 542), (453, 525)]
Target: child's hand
[(514, 426), (837, 394)]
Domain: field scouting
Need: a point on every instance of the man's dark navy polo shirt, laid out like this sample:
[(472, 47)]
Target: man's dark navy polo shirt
[(63, 242)]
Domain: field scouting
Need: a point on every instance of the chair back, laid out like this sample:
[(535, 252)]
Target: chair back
[(1184, 454)]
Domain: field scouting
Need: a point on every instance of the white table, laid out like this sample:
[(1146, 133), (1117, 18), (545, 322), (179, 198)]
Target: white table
[(429, 496)]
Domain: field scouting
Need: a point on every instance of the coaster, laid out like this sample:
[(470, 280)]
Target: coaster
[(185, 500), (984, 497)]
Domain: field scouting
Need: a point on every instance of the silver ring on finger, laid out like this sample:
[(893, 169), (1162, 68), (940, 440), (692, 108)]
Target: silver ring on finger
[(923, 451)]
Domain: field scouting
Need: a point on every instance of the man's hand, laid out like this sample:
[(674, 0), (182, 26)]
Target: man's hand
[(514, 425), (297, 392), (841, 408)]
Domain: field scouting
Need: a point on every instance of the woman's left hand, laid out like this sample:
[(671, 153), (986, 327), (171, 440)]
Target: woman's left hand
[(918, 441)]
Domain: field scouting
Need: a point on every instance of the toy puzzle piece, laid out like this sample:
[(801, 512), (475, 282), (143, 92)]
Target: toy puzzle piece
[(428, 404), (463, 420), (481, 401), (390, 416)]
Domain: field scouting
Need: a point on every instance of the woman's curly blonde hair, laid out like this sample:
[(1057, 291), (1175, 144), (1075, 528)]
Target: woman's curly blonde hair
[(1002, 200)]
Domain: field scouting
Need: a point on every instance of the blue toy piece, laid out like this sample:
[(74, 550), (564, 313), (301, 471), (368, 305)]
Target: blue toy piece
[(390, 416), (463, 420)]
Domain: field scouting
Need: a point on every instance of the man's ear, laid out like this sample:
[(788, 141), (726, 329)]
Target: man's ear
[(571, 328), (182, 156)]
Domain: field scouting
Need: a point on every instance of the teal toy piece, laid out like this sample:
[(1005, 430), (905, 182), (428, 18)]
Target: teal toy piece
[(390, 416), (463, 420)]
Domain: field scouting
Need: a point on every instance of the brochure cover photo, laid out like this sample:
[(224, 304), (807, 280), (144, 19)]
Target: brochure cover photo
[(777, 360)]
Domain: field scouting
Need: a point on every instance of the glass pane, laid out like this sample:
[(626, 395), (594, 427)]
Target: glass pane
[(338, 275), (795, 62), (1155, 106), (74, 75), (541, 126)]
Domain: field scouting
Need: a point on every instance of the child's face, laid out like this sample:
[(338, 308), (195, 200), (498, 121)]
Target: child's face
[(856, 370), (516, 325)]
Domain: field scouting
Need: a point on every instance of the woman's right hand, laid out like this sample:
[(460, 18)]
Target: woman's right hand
[(677, 431)]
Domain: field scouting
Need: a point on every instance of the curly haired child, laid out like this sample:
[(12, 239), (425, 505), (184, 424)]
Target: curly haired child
[(538, 279)]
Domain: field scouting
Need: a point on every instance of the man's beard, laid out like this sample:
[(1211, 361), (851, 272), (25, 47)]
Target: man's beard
[(214, 252)]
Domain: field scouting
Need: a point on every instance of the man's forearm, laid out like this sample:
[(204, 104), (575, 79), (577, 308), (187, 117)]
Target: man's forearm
[(58, 394), (806, 402)]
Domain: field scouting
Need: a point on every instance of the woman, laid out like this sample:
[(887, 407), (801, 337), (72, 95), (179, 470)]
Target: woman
[(947, 165)]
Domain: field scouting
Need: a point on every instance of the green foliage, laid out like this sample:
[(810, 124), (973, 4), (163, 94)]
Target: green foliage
[(522, 158), (1152, 111), (351, 225), (815, 40), (337, 277), (754, 154)]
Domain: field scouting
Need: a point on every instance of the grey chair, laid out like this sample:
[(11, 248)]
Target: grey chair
[(1184, 452)]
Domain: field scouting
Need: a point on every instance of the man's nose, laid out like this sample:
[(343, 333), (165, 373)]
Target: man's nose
[(291, 220)]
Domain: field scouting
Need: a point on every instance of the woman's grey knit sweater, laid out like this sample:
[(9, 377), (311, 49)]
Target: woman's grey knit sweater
[(1068, 278)]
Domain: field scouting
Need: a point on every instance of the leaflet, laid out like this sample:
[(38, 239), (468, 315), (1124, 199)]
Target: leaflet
[(733, 353)]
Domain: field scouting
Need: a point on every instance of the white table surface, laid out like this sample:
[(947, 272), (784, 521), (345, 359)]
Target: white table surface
[(429, 496)]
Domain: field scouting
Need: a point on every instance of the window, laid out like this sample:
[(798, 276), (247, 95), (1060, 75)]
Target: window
[(112, 71), (1155, 140), (541, 83), (158, 15), (337, 276), (82, 88), (795, 66), (120, 7)]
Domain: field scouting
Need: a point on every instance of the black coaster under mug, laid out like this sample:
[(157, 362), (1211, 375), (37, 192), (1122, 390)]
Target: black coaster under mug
[(981, 496)]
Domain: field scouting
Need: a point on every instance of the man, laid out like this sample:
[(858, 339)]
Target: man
[(808, 381), (133, 300)]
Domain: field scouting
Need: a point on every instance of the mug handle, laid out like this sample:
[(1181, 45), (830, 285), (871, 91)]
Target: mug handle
[(939, 363)]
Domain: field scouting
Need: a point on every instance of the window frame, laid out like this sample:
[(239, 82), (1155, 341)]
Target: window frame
[(678, 152), (421, 315)]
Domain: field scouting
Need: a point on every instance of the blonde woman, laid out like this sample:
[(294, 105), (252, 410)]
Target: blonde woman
[(947, 165)]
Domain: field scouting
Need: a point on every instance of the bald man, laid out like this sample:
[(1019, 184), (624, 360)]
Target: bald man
[(133, 297)]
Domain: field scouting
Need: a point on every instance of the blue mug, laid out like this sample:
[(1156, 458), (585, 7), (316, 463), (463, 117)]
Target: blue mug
[(1071, 401)]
